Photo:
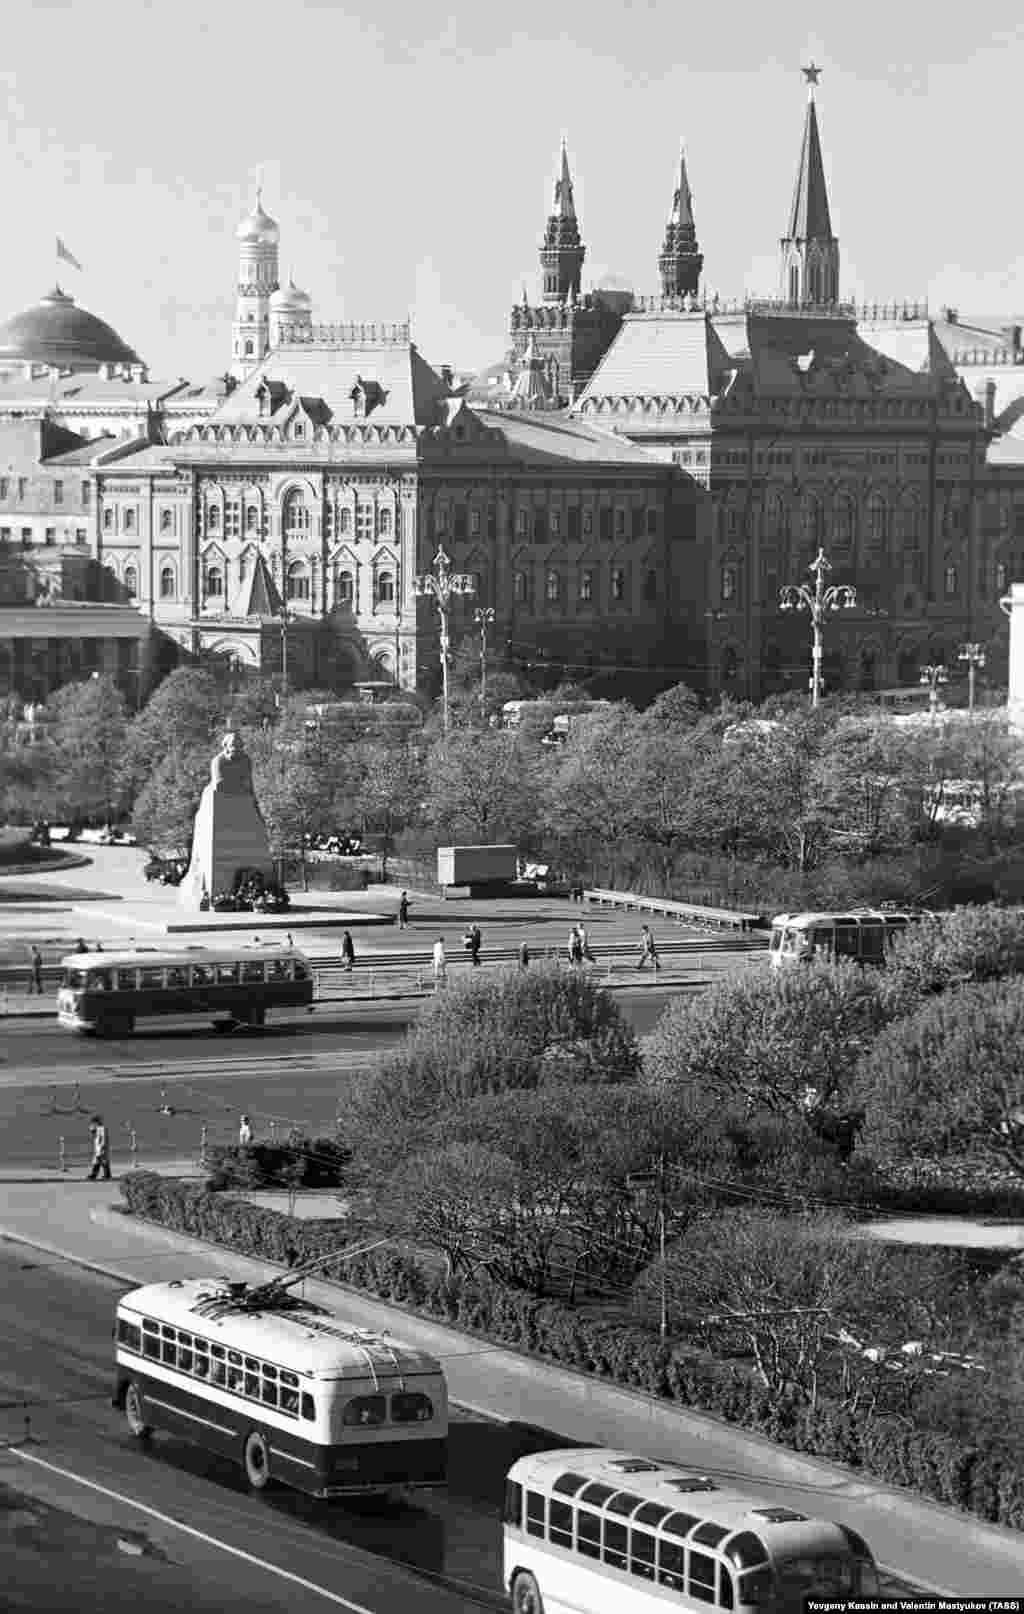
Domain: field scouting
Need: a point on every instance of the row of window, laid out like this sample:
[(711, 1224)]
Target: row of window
[(231, 519), (299, 585), (21, 486), (585, 588), (730, 573), (256, 1380), (544, 524), (50, 536), (631, 1548), (179, 977)]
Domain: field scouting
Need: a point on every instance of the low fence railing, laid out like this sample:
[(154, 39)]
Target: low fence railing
[(683, 912)]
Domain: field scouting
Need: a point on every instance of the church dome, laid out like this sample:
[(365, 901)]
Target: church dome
[(56, 331), (290, 298), (258, 228)]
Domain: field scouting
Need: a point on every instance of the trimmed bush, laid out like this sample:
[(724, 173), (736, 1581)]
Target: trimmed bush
[(936, 1465), (306, 1163)]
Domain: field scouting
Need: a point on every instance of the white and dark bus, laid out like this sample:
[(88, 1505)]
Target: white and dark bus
[(109, 993), (863, 935), (292, 1391), (590, 1531)]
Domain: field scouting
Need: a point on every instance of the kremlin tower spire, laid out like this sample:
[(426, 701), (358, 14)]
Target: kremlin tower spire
[(258, 239), (562, 254), (809, 252), (680, 260)]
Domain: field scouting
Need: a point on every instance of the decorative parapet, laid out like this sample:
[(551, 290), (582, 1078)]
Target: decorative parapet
[(263, 436), (664, 404), (346, 334), (987, 356), (877, 313)]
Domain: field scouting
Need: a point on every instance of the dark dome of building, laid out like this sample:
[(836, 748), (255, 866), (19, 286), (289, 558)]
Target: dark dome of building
[(56, 331)]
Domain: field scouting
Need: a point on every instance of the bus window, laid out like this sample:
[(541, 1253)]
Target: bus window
[(725, 1596), (236, 1378), (227, 974), (672, 1565), (289, 1401), (560, 1523), (365, 1411), (411, 1406), (151, 978), (616, 1540), (278, 969), (308, 1408), (151, 1340), (641, 1554), (98, 981), (129, 1334), (757, 1586), (534, 1513), (126, 980), (872, 943), (202, 1366), (822, 940), (185, 1352), (202, 975), (268, 1388), (301, 972), (169, 1347), (702, 1577), (177, 978), (218, 1365), (746, 1550), (847, 938), (252, 1377), (252, 970), (512, 1512), (588, 1533)]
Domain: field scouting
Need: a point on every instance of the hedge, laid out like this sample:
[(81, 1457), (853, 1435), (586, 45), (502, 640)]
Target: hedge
[(988, 1483)]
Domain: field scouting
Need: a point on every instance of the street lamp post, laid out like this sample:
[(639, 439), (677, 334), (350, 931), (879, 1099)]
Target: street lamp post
[(974, 656), (483, 619), (442, 585), (934, 676), (819, 602)]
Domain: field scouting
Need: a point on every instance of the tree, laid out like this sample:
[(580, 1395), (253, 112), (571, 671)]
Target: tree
[(386, 784), (591, 799), (481, 788), (949, 1079), (88, 736), (981, 943), (183, 715), (450, 1198), (165, 808), (786, 1041)]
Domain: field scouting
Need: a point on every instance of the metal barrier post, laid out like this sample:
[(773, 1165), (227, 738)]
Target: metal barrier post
[(63, 1155), (202, 1145), (273, 1131), (133, 1148)]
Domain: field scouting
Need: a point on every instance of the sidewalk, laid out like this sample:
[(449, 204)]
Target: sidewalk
[(944, 1551)]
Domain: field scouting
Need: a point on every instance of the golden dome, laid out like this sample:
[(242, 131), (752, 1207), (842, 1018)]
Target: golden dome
[(258, 228)]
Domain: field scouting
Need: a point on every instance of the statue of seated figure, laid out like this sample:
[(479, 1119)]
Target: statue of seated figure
[(231, 770)]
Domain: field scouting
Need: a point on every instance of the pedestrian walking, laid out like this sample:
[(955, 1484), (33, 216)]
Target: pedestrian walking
[(648, 950), (584, 939), (348, 952), (524, 956), (290, 942), (403, 911), (244, 1132), (36, 979), (80, 946), (575, 947), (475, 941), (100, 1149), (440, 963)]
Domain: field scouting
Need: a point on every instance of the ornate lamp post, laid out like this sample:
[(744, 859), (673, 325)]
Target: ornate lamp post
[(934, 676), (441, 585), (483, 619), (819, 602), (974, 656)]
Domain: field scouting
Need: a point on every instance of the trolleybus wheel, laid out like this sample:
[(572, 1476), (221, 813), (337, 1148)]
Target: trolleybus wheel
[(135, 1412), (526, 1598), (256, 1018), (257, 1460)]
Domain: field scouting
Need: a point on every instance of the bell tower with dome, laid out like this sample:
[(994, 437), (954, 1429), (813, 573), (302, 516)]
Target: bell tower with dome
[(258, 239)]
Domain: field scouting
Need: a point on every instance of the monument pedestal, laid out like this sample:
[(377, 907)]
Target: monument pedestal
[(229, 835)]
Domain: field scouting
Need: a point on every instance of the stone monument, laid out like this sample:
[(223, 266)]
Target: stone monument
[(229, 832)]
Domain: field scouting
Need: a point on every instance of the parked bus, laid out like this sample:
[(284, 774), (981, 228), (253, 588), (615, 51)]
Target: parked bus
[(862, 934), (291, 1390), (109, 993), (589, 1531)]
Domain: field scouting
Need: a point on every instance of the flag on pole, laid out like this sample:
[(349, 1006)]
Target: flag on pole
[(64, 256)]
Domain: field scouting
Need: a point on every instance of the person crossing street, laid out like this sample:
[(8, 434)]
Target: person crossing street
[(100, 1149)]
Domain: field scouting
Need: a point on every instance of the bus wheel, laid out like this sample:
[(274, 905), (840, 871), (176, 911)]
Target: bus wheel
[(257, 1460), (526, 1598), (256, 1018), (135, 1412)]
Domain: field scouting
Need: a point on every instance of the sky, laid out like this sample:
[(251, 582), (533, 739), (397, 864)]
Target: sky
[(408, 152)]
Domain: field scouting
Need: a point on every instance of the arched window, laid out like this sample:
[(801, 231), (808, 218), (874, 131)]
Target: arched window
[(730, 664), (523, 523), (773, 517), (908, 522), (385, 588), (729, 582), (248, 350), (1001, 577), (252, 518), (876, 515), (907, 668), (296, 516), (345, 592), (384, 523), (213, 518), (618, 583), (842, 522), (232, 519), (167, 588), (651, 586), (478, 584), (586, 585), (949, 579), (811, 521), (131, 581), (552, 587), (344, 521), (519, 586), (167, 521), (214, 583), (298, 581)]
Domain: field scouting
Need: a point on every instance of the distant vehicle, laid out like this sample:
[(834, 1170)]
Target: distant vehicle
[(107, 994), (589, 1531), (291, 1390), (864, 935)]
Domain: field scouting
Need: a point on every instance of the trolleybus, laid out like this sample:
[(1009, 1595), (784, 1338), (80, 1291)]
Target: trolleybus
[(864, 935), (292, 1391), (590, 1531), (109, 993)]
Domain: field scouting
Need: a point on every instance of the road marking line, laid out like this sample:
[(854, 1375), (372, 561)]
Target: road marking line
[(189, 1530)]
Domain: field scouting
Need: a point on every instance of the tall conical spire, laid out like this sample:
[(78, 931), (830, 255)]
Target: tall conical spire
[(809, 250), (680, 260), (562, 253)]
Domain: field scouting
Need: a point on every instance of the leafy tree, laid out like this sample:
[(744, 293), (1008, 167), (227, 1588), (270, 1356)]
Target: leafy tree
[(184, 714), (386, 782), (88, 736), (451, 1198), (480, 788), (164, 813), (591, 799), (786, 1041), (675, 711), (979, 943), (949, 1079)]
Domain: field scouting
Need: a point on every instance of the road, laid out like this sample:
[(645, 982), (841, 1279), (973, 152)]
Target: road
[(52, 1081), (90, 1521)]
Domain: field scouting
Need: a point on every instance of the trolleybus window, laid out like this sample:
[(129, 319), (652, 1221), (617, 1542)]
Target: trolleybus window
[(616, 1541), (126, 980), (701, 1577), (641, 1554), (534, 1513), (560, 1523), (411, 1406), (201, 975), (227, 974), (365, 1410), (588, 1533)]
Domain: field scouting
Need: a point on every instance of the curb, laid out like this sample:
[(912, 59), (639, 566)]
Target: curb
[(60, 1254)]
